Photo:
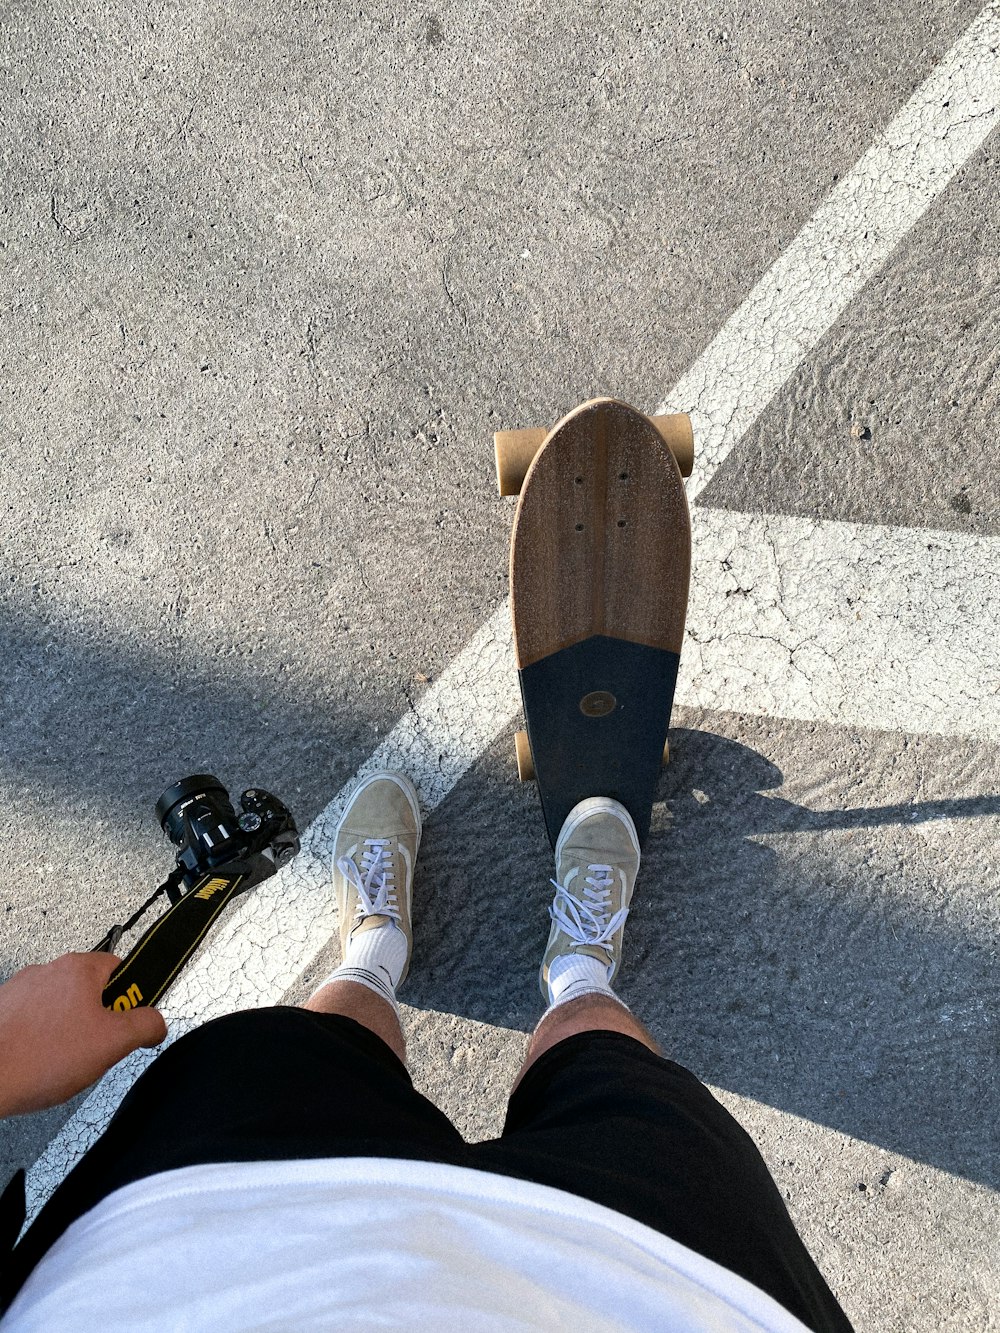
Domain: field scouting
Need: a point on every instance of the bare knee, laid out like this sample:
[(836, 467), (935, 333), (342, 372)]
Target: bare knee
[(589, 1013)]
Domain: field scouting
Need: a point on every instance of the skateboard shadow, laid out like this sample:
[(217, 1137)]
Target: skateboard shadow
[(800, 957), (739, 777)]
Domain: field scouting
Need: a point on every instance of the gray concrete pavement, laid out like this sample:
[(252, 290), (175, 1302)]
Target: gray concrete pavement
[(270, 278)]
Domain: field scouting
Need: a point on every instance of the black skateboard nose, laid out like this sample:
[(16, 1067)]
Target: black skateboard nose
[(590, 741)]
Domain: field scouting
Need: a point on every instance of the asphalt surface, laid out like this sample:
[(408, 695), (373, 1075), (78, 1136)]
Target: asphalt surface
[(271, 276)]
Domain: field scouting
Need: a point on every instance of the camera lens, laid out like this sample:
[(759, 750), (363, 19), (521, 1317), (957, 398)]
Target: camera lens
[(198, 801)]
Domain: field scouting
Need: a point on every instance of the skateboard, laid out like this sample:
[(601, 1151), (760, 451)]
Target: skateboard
[(600, 562)]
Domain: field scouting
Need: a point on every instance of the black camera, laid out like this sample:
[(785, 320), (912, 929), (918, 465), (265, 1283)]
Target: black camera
[(197, 816), (221, 854)]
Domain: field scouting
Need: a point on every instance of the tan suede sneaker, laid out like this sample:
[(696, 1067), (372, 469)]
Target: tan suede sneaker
[(597, 860), (374, 851)]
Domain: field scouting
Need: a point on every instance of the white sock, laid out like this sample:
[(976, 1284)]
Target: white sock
[(375, 958), (574, 974)]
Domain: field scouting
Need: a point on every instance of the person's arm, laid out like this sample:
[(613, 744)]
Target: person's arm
[(56, 1037)]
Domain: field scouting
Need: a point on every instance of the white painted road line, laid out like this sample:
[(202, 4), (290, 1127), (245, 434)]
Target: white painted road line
[(844, 623), (266, 939), (846, 241)]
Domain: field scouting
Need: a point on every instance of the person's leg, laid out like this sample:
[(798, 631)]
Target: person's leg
[(374, 852), (597, 860), (589, 1013), (598, 1112), (352, 1000)]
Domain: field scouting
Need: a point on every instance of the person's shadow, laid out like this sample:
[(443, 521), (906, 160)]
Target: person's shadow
[(786, 954)]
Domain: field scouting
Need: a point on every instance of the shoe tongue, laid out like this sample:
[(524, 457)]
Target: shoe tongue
[(370, 923), (594, 951)]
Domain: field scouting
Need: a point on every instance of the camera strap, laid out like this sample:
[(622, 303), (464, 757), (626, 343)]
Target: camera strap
[(170, 941)]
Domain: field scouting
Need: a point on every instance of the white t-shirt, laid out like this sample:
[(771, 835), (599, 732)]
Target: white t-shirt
[(369, 1243)]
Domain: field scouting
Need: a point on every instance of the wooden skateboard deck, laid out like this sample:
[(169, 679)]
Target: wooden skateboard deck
[(600, 564)]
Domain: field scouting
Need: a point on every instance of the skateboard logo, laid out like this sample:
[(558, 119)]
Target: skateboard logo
[(599, 703), (130, 1000), (212, 887)]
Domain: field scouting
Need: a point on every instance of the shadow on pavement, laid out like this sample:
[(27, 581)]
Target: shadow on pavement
[(821, 977), (817, 979)]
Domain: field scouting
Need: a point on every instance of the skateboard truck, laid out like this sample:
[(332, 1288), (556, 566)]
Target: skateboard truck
[(516, 450)]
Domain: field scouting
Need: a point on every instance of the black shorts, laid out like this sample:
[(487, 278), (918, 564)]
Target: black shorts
[(598, 1115)]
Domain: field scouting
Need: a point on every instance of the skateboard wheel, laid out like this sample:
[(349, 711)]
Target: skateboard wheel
[(666, 753), (677, 435), (525, 763), (515, 452)]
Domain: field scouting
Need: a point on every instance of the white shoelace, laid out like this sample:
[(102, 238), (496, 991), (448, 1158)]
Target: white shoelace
[(587, 919), (374, 899)]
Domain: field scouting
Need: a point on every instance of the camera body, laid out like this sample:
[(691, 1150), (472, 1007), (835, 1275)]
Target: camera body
[(198, 817)]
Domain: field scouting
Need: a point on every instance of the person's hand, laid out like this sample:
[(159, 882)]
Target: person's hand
[(56, 1037)]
